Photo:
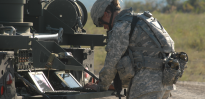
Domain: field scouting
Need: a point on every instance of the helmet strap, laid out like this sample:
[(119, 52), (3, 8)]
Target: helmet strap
[(113, 9), (112, 13), (110, 23)]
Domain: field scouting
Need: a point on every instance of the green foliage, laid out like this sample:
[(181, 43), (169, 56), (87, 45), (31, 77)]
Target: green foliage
[(196, 6), (149, 5), (172, 2), (188, 7)]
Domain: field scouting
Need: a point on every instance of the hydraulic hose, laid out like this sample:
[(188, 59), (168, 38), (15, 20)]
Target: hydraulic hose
[(91, 74)]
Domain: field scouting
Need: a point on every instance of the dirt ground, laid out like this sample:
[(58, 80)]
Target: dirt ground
[(184, 90), (189, 90)]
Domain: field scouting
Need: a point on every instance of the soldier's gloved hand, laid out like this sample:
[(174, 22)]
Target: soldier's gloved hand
[(97, 82), (91, 85), (94, 86), (111, 87)]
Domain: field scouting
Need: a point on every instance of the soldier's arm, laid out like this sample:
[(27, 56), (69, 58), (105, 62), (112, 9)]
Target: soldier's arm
[(116, 47)]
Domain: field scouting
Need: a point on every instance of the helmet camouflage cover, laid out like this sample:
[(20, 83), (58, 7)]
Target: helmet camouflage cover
[(98, 10)]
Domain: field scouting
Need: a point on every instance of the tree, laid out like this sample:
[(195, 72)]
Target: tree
[(193, 2), (172, 2), (149, 5), (199, 5)]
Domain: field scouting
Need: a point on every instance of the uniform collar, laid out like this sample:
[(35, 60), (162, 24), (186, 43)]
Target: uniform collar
[(122, 14)]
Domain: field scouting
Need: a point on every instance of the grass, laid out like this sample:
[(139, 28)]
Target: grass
[(188, 32)]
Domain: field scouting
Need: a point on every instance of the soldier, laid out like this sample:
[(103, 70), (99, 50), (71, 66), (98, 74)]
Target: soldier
[(144, 55)]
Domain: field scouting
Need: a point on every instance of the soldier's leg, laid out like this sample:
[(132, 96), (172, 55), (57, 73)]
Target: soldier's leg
[(146, 84), (166, 94), (128, 91), (151, 95)]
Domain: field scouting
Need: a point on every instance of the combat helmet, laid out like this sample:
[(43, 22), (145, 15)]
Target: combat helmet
[(98, 9)]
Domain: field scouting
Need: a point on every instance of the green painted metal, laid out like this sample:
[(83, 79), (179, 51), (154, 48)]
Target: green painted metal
[(11, 10), (14, 42), (84, 39), (31, 54), (12, 15), (68, 16), (21, 27), (56, 13), (43, 50), (83, 95), (54, 21)]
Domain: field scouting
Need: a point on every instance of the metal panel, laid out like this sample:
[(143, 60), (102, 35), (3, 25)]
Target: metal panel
[(55, 22), (42, 51), (83, 95), (90, 95), (34, 8), (85, 56), (14, 42), (11, 10), (38, 23), (84, 39)]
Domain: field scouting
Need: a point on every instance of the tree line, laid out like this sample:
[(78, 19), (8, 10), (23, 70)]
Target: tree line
[(167, 6)]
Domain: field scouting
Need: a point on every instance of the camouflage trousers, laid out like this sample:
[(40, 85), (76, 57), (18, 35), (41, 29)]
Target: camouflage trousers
[(153, 95), (147, 84)]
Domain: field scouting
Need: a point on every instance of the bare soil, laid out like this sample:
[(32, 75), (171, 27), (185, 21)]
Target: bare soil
[(184, 90), (189, 90)]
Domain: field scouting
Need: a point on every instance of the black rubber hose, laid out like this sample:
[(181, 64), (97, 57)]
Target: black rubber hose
[(91, 74)]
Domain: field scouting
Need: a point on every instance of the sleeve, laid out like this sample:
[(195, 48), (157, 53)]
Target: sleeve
[(116, 47)]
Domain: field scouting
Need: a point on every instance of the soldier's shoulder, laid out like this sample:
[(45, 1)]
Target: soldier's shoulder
[(120, 24)]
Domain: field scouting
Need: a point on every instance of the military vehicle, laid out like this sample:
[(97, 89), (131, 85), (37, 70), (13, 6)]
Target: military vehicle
[(34, 63)]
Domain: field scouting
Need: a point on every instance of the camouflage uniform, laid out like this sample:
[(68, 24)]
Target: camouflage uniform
[(147, 83)]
